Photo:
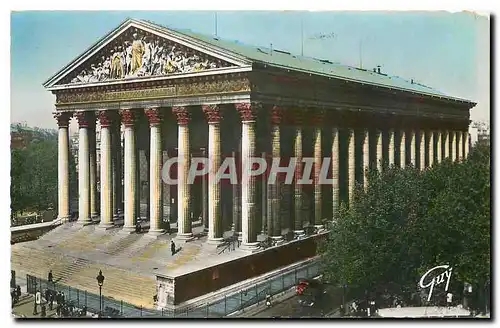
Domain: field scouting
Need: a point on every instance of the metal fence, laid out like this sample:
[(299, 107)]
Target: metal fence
[(220, 308)]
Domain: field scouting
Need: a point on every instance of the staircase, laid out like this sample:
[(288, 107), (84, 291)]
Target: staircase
[(73, 269), (121, 244)]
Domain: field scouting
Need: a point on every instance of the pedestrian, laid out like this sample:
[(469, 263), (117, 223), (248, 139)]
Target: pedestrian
[(43, 314), (47, 294), (35, 310), (18, 291), (172, 247), (51, 301), (62, 298), (449, 299), (50, 278), (13, 297)]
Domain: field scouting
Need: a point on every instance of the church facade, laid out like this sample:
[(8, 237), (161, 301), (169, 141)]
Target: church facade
[(180, 94)]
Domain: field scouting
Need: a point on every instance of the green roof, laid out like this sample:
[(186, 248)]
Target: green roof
[(317, 66)]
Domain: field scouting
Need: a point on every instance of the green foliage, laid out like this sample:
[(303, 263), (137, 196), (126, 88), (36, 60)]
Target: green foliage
[(409, 221), (34, 174)]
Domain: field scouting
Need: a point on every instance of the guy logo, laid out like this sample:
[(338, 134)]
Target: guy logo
[(436, 280)]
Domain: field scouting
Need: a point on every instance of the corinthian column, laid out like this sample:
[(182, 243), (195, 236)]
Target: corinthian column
[(422, 149), (365, 141), (460, 143), (466, 143), (413, 148), (215, 230), (446, 144), (274, 194), (130, 166), (297, 150), (391, 149), (351, 164), (335, 171), (439, 147), (116, 155), (93, 170), (105, 118), (248, 113), (185, 231), (318, 205), (430, 142), (155, 165), (378, 154), (453, 145), (84, 119), (63, 166), (402, 149)]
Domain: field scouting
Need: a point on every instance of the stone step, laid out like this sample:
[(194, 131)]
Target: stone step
[(119, 245), (131, 287)]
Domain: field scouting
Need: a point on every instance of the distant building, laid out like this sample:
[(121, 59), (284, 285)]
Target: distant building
[(21, 135)]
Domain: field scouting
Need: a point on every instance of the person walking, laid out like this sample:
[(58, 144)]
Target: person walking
[(51, 300), (43, 314), (50, 278), (18, 291), (172, 247)]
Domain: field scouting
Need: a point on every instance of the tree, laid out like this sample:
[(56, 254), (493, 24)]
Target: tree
[(34, 173), (409, 221)]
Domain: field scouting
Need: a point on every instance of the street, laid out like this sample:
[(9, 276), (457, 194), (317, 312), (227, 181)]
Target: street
[(291, 308)]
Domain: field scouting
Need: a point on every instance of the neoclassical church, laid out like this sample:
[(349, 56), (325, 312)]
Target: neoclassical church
[(173, 93)]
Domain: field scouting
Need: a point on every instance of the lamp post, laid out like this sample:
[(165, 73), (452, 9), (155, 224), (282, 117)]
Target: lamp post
[(100, 282)]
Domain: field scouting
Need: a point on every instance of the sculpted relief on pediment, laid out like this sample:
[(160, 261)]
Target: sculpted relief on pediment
[(137, 53)]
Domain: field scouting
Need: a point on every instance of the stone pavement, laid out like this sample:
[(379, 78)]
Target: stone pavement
[(76, 253)]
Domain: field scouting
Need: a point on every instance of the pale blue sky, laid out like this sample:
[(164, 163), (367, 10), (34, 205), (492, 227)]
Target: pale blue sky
[(449, 52)]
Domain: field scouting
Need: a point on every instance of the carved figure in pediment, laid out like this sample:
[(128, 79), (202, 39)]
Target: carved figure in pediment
[(138, 49), (127, 54), (117, 64)]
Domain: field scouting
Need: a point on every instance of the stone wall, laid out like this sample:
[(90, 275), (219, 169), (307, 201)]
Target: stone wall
[(213, 278)]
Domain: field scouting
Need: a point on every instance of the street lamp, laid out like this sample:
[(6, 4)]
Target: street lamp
[(100, 282)]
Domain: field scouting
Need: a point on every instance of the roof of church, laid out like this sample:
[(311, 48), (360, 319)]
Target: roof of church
[(284, 59)]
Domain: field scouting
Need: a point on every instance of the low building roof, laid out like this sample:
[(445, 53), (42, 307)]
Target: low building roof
[(317, 66)]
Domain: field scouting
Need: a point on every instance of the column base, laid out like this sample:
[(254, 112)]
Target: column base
[(184, 237), (128, 230), (64, 219), (215, 241), (299, 233), (319, 226), (250, 247), (155, 233), (105, 226), (84, 222)]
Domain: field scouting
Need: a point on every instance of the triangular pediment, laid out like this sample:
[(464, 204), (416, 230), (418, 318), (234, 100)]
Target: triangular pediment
[(140, 50)]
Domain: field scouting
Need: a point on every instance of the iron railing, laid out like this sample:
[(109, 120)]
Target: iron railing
[(222, 307)]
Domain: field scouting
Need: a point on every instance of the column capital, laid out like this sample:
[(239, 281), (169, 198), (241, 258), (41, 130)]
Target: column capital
[(182, 115), (154, 116), (212, 113), (276, 115), (248, 111), (85, 119), (63, 119), (106, 118), (128, 117)]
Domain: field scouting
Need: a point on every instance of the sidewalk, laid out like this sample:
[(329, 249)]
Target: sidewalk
[(24, 309)]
